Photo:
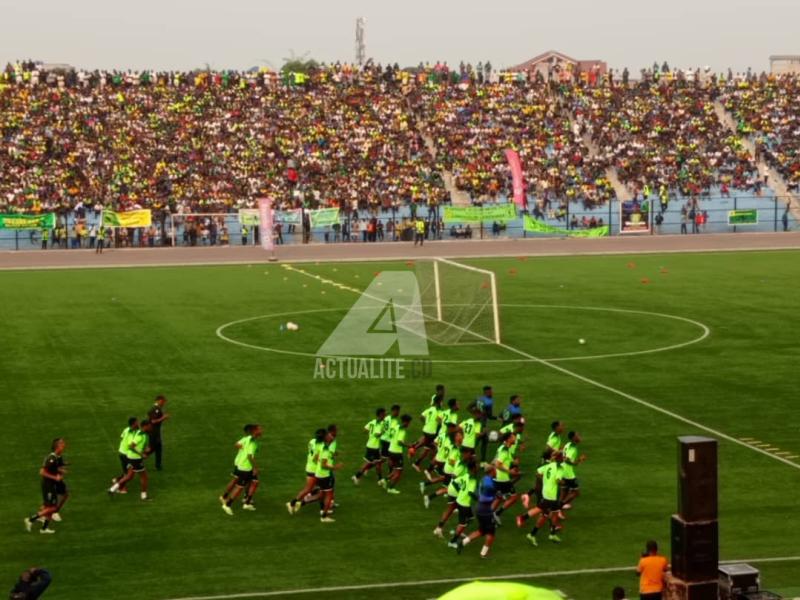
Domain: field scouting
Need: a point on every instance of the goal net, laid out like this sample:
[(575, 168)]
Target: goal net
[(459, 302)]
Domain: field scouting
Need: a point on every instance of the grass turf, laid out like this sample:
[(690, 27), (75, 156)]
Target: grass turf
[(82, 350)]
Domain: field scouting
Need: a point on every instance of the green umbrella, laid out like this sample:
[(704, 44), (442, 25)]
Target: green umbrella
[(500, 590)]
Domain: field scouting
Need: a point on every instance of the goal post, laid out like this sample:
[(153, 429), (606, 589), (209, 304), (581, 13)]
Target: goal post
[(459, 302)]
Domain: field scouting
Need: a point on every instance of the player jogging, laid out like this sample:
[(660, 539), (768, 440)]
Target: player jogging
[(549, 507), (324, 475), (124, 442), (52, 473), (487, 494), (466, 485), (431, 417), (505, 471), (390, 423), (138, 448), (572, 458), (435, 473), (485, 404), (372, 456), (245, 471), (456, 469), (396, 447), (312, 454), (473, 431)]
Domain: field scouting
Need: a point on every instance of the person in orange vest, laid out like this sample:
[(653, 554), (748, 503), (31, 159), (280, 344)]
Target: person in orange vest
[(651, 569)]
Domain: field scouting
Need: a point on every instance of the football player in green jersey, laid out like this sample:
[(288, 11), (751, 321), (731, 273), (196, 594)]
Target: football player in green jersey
[(549, 507), (473, 430), (396, 447), (372, 456), (438, 396), (554, 441), (505, 473), (447, 456), (312, 453), (572, 458), (390, 423), (456, 467), (326, 465), (245, 471), (431, 419), (138, 448), (466, 485)]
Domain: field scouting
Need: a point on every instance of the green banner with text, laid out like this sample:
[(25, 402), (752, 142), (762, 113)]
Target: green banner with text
[(534, 226), (743, 217), (476, 214), (45, 221)]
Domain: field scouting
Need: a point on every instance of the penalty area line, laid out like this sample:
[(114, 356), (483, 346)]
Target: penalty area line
[(455, 580)]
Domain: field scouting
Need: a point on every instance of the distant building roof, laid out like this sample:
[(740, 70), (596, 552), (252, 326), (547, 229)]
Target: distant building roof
[(785, 57), (554, 56)]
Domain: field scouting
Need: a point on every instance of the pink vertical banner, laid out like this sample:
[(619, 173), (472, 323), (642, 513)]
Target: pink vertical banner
[(516, 178), (265, 221)]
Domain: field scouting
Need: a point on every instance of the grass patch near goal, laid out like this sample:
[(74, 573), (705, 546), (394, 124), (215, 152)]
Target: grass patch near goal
[(83, 350)]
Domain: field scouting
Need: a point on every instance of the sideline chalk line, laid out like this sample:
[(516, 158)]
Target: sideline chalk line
[(397, 584)]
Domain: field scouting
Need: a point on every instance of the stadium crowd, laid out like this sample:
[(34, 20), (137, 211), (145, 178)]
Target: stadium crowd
[(767, 110), (377, 137)]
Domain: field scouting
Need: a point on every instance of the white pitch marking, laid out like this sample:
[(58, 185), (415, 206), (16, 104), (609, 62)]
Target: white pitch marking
[(377, 586), (621, 394)]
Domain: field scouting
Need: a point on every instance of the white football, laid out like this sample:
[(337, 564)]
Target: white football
[(292, 326), (494, 436)]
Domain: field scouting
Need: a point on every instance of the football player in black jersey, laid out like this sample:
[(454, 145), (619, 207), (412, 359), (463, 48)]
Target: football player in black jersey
[(53, 488)]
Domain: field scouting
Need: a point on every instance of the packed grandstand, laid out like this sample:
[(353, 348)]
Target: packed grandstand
[(382, 136)]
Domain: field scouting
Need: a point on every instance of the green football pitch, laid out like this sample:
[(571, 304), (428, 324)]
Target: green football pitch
[(82, 350)]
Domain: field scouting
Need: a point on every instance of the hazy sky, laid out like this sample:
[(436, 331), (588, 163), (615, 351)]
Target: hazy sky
[(181, 34)]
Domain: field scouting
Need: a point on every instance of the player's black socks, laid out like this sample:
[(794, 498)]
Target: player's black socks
[(229, 502), (441, 524), (293, 502), (534, 531), (33, 518), (431, 497), (248, 499), (359, 474), (46, 524), (499, 511)]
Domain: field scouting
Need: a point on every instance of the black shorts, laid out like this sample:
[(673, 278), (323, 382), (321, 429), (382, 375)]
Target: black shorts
[(384, 449), (464, 514), (61, 488), (137, 464), (396, 460), (325, 483), (243, 478), (310, 474), (486, 524), (451, 499), (429, 441), (447, 478), (438, 467), (570, 484), (504, 488), (123, 461), (49, 493), (548, 506), (372, 455)]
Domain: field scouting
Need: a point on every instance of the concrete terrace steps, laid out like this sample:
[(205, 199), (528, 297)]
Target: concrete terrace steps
[(776, 181), (457, 197)]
